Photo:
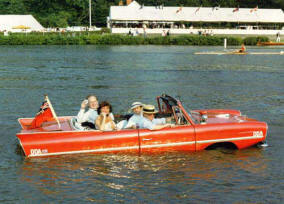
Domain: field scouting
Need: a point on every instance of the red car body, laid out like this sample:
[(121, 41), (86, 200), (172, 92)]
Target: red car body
[(194, 131)]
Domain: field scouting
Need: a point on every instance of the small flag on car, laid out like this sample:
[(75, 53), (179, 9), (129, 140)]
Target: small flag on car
[(44, 114)]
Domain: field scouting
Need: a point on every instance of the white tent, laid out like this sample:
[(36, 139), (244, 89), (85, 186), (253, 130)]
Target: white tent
[(15, 22), (137, 12)]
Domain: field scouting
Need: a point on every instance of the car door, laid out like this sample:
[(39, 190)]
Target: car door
[(178, 138)]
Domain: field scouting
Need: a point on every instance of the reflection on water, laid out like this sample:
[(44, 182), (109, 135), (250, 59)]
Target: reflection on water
[(122, 75), (114, 175)]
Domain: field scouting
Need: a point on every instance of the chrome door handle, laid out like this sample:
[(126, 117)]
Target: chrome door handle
[(146, 139)]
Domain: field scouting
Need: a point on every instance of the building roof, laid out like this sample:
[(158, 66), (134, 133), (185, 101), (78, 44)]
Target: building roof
[(10, 22), (137, 12)]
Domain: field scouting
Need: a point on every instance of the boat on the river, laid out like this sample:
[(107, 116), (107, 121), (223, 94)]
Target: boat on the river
[(222, 53), (239, 53), (270, 43), (193, 131)]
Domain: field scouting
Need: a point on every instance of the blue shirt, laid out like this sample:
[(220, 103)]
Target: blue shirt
[(135, 120), (159, 121), (148, 124)]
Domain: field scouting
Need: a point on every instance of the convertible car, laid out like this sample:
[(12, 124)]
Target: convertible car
[(193, 131)]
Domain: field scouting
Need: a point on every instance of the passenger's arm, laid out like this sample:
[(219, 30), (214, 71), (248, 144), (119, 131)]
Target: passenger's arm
[(80, 116), (113, 126), (158, 127), (100, 122)]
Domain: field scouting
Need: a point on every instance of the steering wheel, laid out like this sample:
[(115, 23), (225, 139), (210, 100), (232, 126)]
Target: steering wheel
[(179, 118), (164, 108)]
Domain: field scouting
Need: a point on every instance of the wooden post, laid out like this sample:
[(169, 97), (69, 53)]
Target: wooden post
[(52, 111)]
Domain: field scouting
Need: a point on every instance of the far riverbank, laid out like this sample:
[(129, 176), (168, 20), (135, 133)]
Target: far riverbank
[(89, 38)]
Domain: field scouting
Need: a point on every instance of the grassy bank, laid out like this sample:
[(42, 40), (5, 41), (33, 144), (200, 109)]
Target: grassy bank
[(117, 39)]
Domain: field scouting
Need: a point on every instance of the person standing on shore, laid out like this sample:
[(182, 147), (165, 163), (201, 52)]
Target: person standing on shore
[(278, 37)]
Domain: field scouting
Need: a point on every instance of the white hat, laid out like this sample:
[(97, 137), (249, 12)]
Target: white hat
[(149, 109), (136, 104)]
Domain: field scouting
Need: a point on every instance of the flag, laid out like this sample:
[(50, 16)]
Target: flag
[(197, 9), (236, 9), (254, 9), (179, 10), (215, 8), (44, 114)]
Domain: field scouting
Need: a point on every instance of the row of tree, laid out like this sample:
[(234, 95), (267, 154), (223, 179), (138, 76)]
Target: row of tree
[(63, 13)]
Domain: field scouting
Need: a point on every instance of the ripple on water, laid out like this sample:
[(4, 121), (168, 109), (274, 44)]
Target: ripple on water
[(121, 75)]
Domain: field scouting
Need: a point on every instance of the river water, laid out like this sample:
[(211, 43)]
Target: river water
[(124, 74)]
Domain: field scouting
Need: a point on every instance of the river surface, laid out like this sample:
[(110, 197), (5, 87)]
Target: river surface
[(124, 74)]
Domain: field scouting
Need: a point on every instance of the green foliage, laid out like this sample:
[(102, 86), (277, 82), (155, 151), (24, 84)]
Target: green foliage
[(254, 40), (234, 41), (116, 39)]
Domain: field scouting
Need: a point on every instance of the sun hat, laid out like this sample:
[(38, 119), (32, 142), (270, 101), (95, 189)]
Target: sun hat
[(135, 105), (149, 109)]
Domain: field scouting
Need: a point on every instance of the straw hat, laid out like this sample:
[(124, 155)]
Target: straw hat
[(149, 109), (136, 104)]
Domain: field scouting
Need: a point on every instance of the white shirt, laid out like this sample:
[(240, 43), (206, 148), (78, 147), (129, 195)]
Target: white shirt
[(88, 116)]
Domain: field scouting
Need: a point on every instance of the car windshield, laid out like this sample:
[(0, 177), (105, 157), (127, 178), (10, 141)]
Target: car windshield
[(174, 102), (192, 114)]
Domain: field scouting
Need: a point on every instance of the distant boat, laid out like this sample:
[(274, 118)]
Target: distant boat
[(221, 53), (239, 53), (270, 43)]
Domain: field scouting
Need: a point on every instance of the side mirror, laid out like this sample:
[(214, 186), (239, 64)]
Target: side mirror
[(203, 119)]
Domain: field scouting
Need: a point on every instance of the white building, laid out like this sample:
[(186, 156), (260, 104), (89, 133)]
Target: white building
[(182, 20), (19, 23)]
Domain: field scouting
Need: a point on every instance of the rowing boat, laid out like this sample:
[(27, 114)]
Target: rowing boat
[(221, 53), (239, 53)]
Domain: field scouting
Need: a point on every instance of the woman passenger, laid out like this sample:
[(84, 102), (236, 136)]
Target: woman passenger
[(105, 121)]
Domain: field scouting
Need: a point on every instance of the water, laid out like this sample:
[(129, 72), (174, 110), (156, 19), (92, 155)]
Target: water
[(122, 75)]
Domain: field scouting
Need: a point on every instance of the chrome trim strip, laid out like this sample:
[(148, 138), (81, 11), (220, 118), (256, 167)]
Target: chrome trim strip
[(147, 146), (85, 151), (114, 149), (229, 139)]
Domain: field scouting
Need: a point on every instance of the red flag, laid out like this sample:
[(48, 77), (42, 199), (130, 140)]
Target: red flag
[(235, 10), (179, 10), (255, 9), (197, 9), (43, 115)]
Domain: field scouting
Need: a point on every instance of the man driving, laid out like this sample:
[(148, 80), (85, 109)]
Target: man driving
[(152, 123)]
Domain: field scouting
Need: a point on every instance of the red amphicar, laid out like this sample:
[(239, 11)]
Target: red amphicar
[(194, 130)]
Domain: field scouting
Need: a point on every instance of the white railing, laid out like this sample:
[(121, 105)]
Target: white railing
[(197, 31)]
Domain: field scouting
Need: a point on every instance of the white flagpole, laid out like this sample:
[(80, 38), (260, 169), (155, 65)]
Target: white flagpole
[(52, 111), (90, 14)]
